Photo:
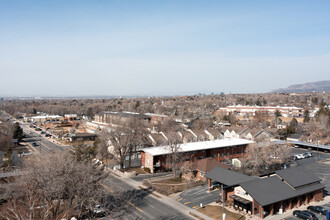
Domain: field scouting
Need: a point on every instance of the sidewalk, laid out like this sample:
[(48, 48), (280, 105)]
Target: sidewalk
[(164, 199)]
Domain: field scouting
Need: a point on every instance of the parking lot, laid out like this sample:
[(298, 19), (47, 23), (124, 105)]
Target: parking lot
[(319, 164), (320, 217)]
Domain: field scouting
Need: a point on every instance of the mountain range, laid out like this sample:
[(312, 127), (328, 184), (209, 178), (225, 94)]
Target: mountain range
[(319, 86)]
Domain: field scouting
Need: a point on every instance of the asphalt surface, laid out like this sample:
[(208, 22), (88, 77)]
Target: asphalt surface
[(320, 217), (319, 164), (196, 196), (45, 145), (147, 207)]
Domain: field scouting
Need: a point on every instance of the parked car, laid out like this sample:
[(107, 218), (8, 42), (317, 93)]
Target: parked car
[(43, 132), (307, 154), (317, 209), (34, 144), (26, 154), (298, 156), (215, 185), (305, 215)]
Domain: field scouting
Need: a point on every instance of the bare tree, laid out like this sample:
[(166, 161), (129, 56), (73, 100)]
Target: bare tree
[(125, 138), (175, 156), (55, 186), (265, 158)]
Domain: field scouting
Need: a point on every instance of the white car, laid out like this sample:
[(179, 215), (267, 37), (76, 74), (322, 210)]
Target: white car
[(26, 154), (298, 156)]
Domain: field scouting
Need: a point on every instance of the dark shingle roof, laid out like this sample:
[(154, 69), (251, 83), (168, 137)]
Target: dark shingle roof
[(272, 189), (297, 176), (227, 177)]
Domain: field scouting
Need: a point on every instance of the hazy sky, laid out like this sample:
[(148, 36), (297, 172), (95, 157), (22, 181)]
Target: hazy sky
[(52, 48)]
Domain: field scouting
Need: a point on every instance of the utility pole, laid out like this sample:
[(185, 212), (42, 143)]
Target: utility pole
[(223, 204)]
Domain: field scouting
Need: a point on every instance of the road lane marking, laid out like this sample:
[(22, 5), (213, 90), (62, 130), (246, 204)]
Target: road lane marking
[(106, 187), (134, 206), (179, 199), (137, 208), (186, 203), (195, 207)]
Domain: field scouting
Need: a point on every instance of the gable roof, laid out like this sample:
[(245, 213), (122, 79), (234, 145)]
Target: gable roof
[(297, 176), (173, 136), (158, 138), (237, 129), (187, 134), (227, 177), (272, 189), (214, 132), (199, 133)]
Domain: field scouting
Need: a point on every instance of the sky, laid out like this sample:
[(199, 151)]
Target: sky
[(152, 48)]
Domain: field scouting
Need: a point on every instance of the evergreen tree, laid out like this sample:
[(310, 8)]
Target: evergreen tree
[(306, 116), (90, 112), (18, 133)]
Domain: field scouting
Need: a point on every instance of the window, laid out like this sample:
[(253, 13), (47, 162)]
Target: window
[(222, 154), (239, 152), (227, 153), (195, 158), (201, 157), (139, 156), (234, 153), (214, 155)]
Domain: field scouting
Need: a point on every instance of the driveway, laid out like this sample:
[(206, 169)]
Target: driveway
[(198, 195)]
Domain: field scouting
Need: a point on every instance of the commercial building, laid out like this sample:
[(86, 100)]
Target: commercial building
[(275, 193), (269, 110), (44, 118), (155, 157), (115, 117)]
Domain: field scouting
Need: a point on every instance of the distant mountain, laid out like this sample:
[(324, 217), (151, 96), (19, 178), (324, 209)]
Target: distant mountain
[(319, 86)]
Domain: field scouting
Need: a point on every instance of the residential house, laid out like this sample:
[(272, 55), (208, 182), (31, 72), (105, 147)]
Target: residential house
[(199, 135), (214, 134), (234, 132), (158, 139), (187, 136)]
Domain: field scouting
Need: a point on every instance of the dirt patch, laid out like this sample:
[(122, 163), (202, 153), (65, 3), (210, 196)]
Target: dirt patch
[(138, 170), (171, 185), (171, 181), (215, 212)]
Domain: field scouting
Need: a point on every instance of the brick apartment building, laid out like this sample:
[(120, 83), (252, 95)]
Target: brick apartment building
[(154, 158)]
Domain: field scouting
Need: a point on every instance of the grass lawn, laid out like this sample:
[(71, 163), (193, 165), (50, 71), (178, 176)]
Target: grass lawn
[(215, 212)]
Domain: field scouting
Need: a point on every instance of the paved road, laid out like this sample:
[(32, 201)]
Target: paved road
[(45, 145), (147, 207), (197, 195)]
